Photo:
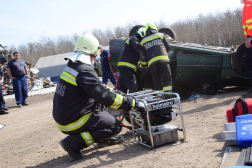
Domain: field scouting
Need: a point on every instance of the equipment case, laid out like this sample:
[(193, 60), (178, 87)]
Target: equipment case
[(244, 130), (241, 107)]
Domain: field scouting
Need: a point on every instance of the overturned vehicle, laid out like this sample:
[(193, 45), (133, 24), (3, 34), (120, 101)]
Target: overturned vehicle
[(195, 65)]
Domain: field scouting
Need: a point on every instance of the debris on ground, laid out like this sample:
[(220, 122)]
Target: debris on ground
[(196, 96), (34, 81)]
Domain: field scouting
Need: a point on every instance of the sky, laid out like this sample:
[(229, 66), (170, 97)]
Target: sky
[(24, 21)]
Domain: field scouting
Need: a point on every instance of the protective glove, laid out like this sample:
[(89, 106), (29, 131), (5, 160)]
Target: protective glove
[(141, 108), (119, 92), (129, 103)]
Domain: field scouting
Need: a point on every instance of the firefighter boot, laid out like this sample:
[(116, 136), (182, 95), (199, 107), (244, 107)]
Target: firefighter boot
[(75, 155), (112, 141)]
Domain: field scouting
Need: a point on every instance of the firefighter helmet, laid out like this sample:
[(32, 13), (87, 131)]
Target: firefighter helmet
[(141, 31), (151, 26), (87, 44)]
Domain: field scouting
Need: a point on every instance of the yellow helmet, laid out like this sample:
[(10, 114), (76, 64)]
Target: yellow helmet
[(150, 25), (88, 44)]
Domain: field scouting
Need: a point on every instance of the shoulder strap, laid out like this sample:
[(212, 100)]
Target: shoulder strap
[(234, 113), (244, 107)]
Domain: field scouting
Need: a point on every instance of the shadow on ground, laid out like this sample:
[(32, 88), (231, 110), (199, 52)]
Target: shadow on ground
[(125, 151)]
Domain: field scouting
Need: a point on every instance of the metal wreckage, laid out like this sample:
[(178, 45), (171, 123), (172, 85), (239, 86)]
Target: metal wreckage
[(34, 81)]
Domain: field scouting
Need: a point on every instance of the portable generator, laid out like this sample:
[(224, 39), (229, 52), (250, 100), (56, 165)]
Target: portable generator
[(153, 130)]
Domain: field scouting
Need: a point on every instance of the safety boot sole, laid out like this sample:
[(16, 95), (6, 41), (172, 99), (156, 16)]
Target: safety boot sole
[(73, 154)]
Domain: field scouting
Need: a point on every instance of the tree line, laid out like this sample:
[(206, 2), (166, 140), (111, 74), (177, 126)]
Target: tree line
[(219, 29)]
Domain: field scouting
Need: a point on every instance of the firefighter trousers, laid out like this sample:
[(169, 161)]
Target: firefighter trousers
[(161, 75), (127, 80), (100, 127)]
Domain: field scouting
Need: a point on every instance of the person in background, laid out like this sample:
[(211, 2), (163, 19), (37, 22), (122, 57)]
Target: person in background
[(2, 103), (247, 28), (18, 73), (106, 72)]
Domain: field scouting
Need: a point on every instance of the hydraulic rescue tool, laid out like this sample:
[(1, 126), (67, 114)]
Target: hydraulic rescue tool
[(153, 129)]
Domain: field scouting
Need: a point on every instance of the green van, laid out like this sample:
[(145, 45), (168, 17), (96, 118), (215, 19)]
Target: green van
[(194, 65)]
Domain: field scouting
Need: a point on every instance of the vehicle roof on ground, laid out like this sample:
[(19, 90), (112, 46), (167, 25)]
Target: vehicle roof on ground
[(52, 66)]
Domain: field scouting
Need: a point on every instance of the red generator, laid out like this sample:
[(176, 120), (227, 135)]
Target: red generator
[(241, 107)]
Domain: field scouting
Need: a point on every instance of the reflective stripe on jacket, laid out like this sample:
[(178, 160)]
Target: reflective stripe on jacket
[(247, 18), (130, 55), (78, 91), (155, 48)]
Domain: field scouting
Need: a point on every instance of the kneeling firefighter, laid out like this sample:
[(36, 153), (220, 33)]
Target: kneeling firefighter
[(128, 62), (75, 102)]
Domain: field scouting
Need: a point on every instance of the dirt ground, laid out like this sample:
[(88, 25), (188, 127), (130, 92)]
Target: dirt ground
[(31, 138)]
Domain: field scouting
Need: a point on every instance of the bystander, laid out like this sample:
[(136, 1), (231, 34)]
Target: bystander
[(18, 73), (106, 72)]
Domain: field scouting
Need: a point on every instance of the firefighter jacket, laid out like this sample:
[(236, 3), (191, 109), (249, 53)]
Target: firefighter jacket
[(130, 55), (78, 90), (155, 48), (247, 18)]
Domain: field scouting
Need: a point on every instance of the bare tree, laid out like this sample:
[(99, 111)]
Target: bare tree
[(219, 29)]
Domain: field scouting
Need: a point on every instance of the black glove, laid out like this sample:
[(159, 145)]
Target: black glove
[(120, 92), (129, 103), (141, 108), (144, 70)]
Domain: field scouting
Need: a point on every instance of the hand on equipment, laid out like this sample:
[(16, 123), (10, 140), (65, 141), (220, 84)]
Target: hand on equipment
[(141, 108), (129, 103), (120, 92)]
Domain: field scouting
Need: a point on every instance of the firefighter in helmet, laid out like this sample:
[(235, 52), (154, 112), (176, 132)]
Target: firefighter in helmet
[(75, 102), (128, 62), (155, 55)]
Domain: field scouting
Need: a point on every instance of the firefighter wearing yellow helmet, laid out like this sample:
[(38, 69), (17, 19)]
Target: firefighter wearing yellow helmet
[(155, 52), (75, 102), (128, 61)]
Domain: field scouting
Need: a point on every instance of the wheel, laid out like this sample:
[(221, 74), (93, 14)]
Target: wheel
[(239, 54), (170, 32), (134, 29)]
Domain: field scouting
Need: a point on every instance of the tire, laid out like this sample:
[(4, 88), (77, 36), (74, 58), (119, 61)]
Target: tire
[(169, 31), (239, 54), (134, 29)]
